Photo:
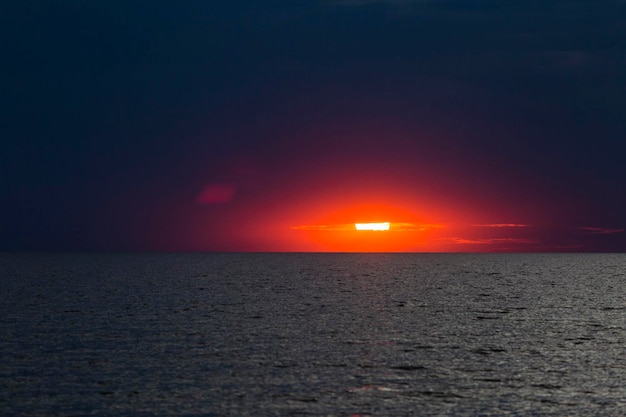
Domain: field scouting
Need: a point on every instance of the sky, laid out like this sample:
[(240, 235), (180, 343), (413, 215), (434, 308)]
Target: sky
[(469, 125)]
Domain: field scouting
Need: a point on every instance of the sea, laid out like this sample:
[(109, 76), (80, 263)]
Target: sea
[(312, 334)]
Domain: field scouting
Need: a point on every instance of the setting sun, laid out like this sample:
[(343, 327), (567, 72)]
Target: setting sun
[(350, 225), (372, 226)]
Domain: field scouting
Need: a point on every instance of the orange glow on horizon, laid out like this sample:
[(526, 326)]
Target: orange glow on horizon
[(354, 237), (356, 224), (329, 223)]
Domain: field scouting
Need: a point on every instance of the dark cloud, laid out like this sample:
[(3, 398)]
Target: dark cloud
[(601, 231)]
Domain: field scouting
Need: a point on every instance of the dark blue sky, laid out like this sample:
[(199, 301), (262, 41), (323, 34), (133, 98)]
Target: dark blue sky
[(116, 116)]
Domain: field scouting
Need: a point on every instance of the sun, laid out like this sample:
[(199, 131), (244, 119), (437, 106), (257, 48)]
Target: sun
[(373, 226)]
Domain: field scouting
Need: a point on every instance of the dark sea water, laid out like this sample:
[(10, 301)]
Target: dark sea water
[(312, 334)]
